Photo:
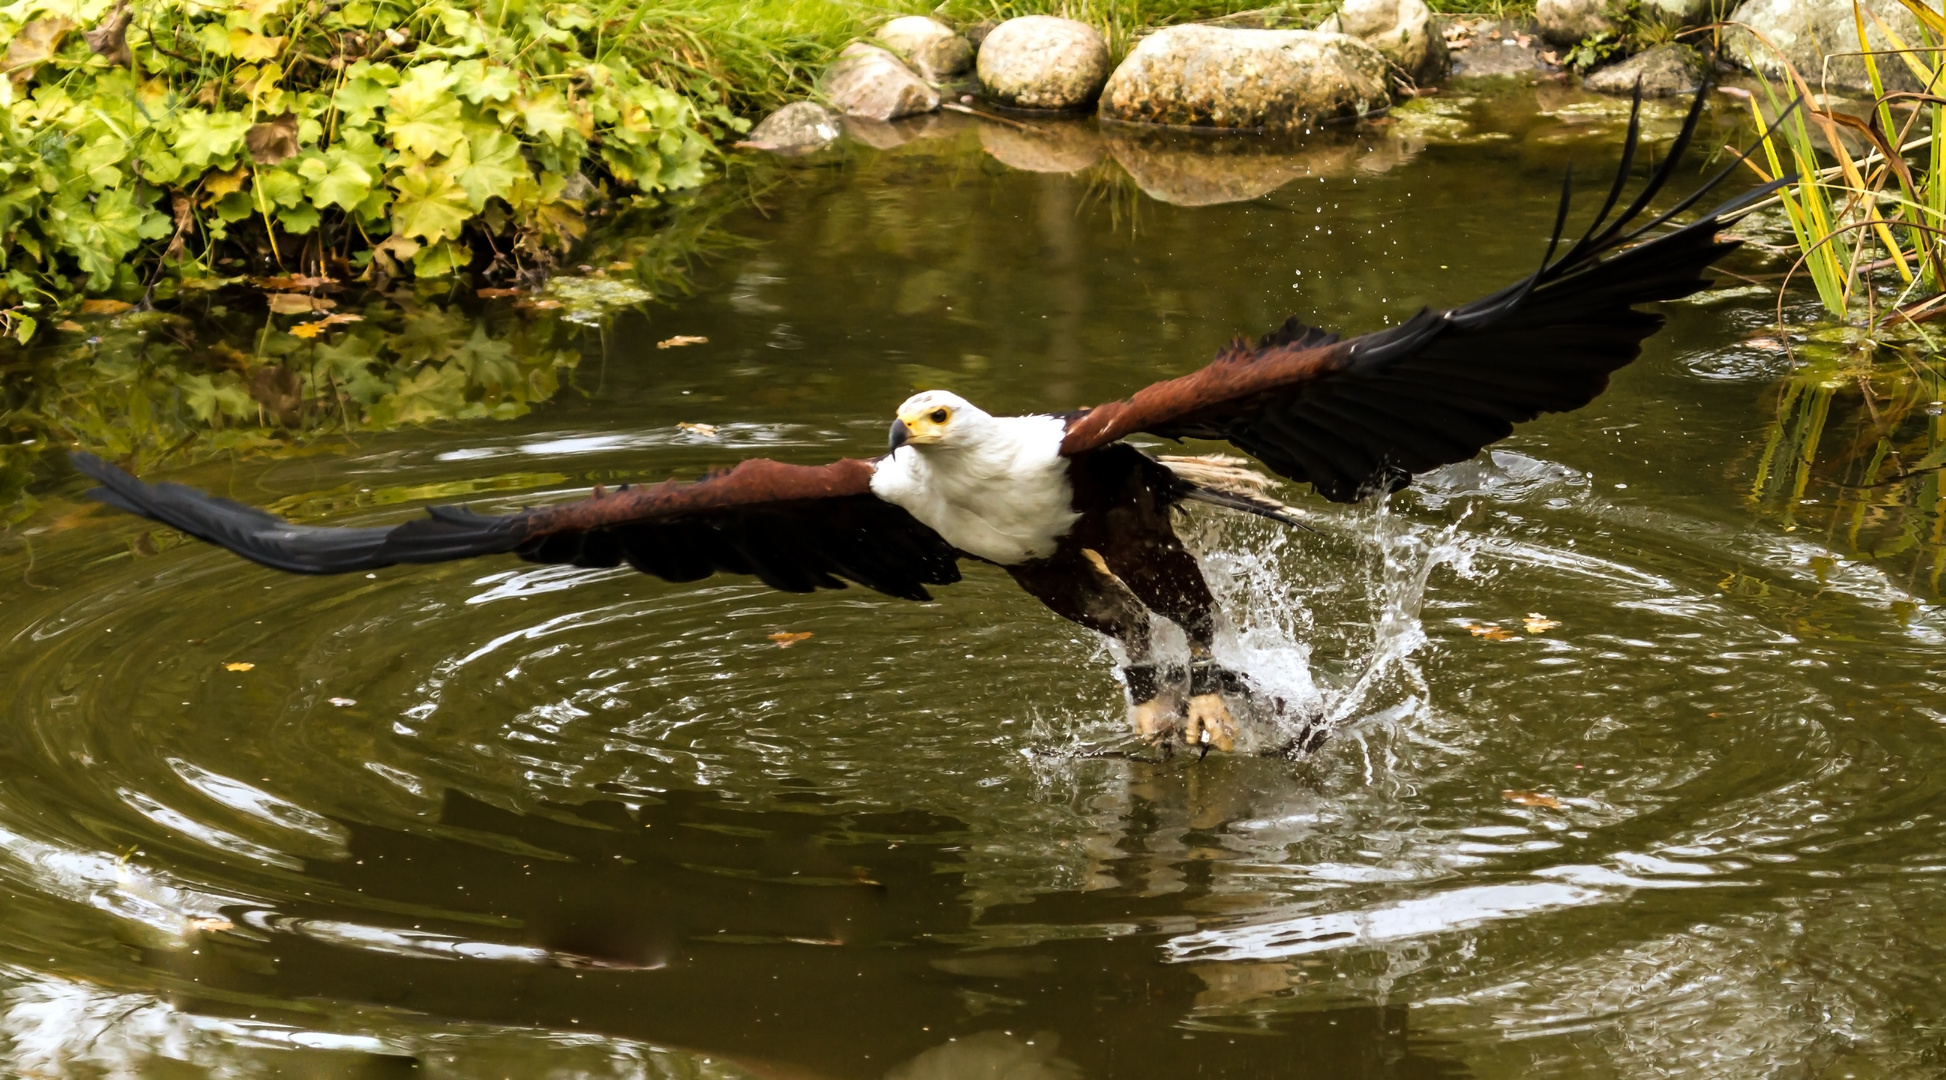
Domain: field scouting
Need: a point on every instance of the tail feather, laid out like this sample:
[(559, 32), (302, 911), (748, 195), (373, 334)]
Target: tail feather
[(1228, 481), (303, 549)]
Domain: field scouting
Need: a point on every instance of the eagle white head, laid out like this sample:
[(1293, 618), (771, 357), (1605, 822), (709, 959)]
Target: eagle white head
[(937, 418)]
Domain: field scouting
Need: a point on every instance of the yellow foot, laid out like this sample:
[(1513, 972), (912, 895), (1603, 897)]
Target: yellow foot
[(1210, 722), (1153, 720)]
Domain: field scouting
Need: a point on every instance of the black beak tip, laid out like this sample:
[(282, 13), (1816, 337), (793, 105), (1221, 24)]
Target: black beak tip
[(900, 433)]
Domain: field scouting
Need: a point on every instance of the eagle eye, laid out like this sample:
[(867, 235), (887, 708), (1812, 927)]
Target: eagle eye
[(939, 416)]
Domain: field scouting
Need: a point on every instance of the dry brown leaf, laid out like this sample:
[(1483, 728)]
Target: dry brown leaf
[(1532, 798), (307, 330), (284, 303), (293, 282), (238, 665), (104, 307), (110, 37), (708, 431), (1490, 632), (785, 639), (495, 294), (69, 325), (273, 140), (337, 317), (32, 46), (680, 340), (1537, 623)]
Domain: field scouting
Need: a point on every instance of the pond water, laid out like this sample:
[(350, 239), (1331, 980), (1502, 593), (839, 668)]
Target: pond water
[(1631, 773)]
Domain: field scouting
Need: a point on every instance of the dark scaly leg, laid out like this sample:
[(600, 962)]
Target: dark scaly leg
[(1147, 555), (1075, 584)]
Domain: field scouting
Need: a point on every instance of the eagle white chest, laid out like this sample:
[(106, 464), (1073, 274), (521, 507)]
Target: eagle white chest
[(1001, 493)]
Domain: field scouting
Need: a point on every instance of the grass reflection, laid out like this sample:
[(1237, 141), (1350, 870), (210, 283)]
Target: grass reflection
[(1858, 450)]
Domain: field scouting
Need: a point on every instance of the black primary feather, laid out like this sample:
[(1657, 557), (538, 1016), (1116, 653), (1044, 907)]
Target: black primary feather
[(1444, 384)]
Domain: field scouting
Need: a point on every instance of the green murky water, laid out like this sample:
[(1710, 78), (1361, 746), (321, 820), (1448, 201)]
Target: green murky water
[(1636, 768)]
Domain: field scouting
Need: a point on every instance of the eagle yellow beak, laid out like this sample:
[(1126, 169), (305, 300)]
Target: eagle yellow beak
[(917, 429)]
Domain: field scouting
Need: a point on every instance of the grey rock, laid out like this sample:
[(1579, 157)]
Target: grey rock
[(1680, 12), (1808, 31), (1490, 58), (931, 47), (797, 128), (1041, 62), (870, 82), (1403, 30), (1567, 22), (1047, 146), (1664, 71), (976, 33), (1207, 76)]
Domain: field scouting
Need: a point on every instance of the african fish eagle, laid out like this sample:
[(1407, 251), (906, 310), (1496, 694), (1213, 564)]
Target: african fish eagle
[(1081, 519)]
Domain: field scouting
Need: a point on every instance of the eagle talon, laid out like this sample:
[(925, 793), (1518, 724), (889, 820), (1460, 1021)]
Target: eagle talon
[(1153, 720), (1209, 724)]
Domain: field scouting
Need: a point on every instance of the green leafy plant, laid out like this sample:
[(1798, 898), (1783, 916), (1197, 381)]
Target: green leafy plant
[(353, 139)]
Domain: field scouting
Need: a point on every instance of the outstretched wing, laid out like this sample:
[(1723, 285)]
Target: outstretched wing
[(795, 527), (1362, 415)]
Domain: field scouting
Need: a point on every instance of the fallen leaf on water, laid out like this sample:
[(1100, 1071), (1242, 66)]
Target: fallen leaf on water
[(343, 702), (145, 543), (307, 330), (1537, 623), (1532, 798), (707, 431), (238, 665), (785, 639), (1490, 632), (292, 282), (284, 303), (495, 294), (337, 317), (69, 325), (104, 307), (680, 340)]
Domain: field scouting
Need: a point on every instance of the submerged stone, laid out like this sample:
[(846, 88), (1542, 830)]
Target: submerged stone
[(1041, 62), (1403, 30), (1206, 76), (871, 82), (930, 46), (1663, 71), (797, 128)]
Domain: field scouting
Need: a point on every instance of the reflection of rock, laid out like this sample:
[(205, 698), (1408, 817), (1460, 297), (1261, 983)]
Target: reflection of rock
[(890, 135), (797, 128), (990, 1055), (1663, 71), (1206, 168), (1050, 146), (1206, 76), (1566, 22), (929, 46), (1809, 30), (1401, 29), (870, 82), (1041, 62)]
